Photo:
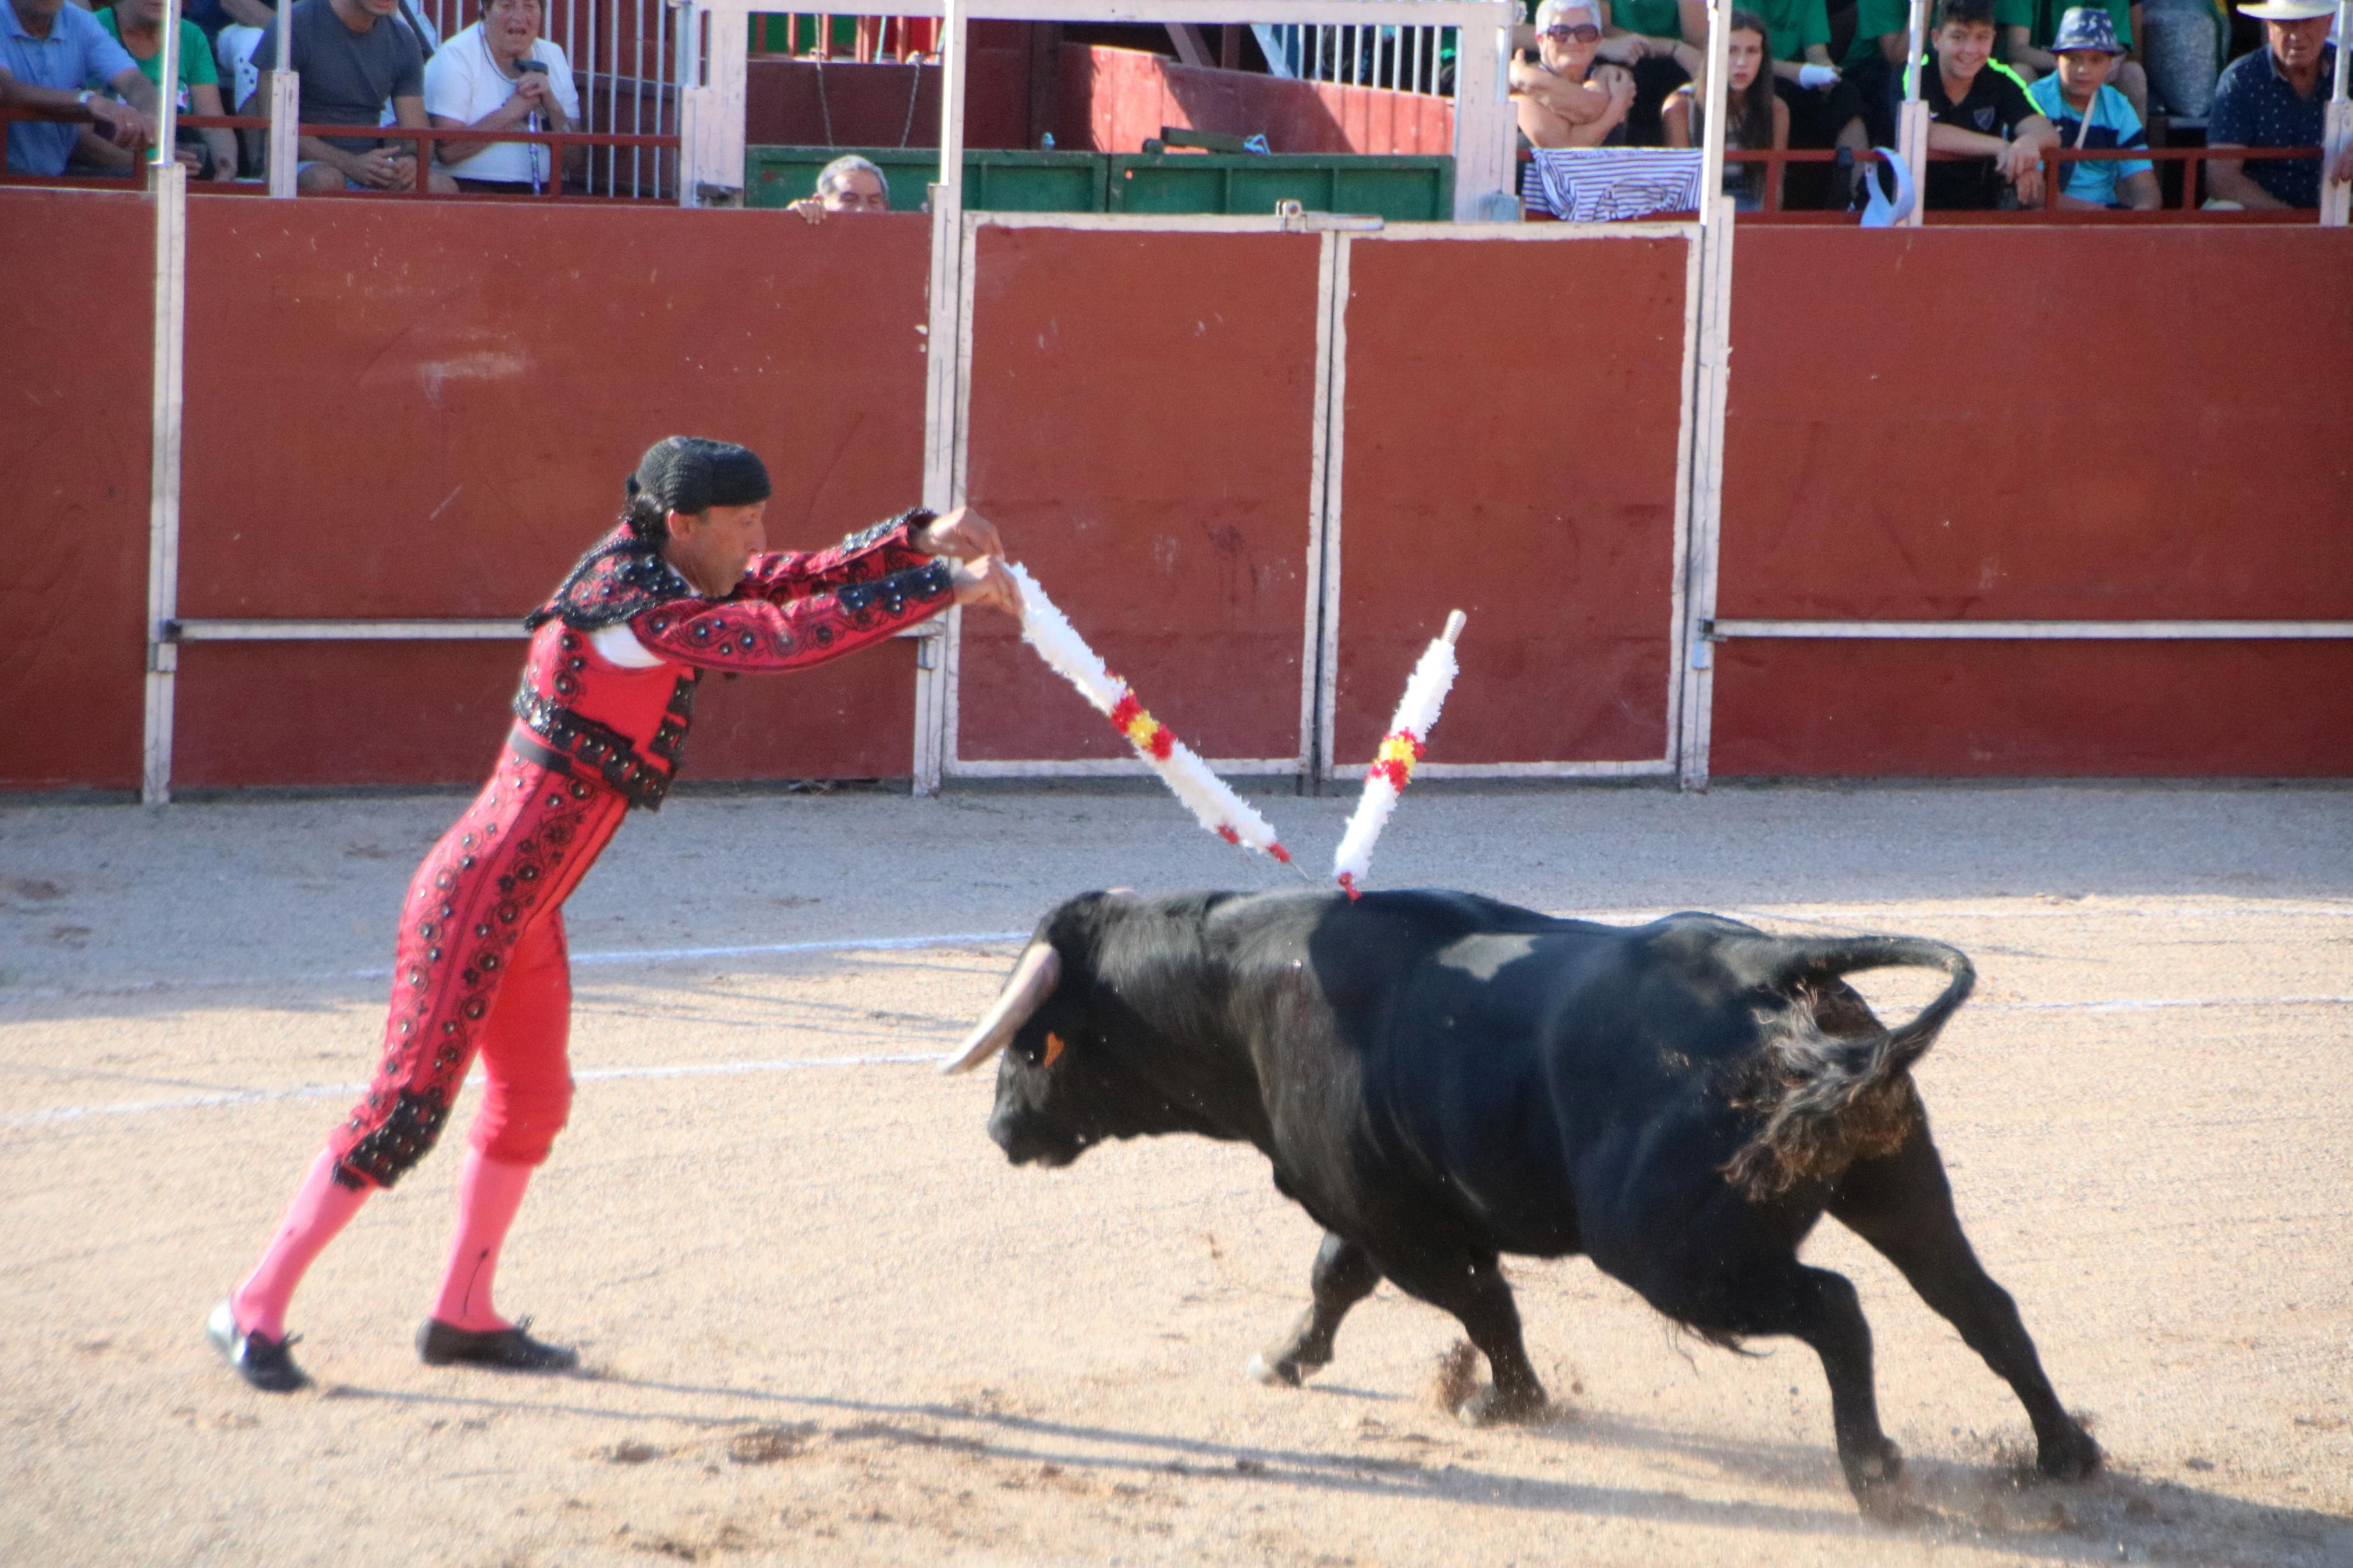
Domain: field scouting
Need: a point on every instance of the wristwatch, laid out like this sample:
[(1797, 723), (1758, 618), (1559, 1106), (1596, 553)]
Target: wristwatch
[(81, 99)]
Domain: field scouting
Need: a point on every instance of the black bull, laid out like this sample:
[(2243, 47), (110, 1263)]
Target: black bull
[(1440, 1079)]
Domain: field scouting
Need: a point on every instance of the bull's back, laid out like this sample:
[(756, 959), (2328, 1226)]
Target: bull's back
[(1508, 1056)]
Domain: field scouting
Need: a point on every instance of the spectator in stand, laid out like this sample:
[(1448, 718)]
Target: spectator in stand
[(2090, 114), (353, 56), (2030, 50), (1756, 118), (1565, 98), (1659, 44), (2276, 97), (138, 27), (500, 74), (1978, 106), (55, 58), (1821, 103), (1874, 73), (848, 184)]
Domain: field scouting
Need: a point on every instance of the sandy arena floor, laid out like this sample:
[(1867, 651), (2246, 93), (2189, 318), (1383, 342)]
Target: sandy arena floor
[(826, 1323)]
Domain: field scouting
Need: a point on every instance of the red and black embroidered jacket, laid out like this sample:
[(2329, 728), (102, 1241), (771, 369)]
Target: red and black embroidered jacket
[(608, 691)]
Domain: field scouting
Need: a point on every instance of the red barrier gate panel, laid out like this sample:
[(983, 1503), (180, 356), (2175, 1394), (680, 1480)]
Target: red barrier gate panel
[(1513, 413), (2070, 424), (427, 410), (1140, 422), (76, 342)]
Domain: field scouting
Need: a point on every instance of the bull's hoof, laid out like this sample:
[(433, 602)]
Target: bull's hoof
[(2069, 1455), (1876, 1479), (1490, 1406), (1284, 1373)]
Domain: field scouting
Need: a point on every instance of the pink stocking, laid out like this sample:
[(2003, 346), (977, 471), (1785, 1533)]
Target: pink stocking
[(321, 1207), (488, 1193)]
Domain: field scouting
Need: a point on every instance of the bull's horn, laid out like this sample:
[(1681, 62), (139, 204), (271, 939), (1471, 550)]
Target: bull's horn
[(1032, 982)]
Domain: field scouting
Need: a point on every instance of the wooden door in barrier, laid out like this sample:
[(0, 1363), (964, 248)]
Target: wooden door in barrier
[(1139, 420), (427, 410), (77, 347), (1510, 421)]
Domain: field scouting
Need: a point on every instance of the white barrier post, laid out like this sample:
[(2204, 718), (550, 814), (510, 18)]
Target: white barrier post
[(936, 670), (2337, 196), (285, 110), (1484, 120), (1912, 125), (170, 197)]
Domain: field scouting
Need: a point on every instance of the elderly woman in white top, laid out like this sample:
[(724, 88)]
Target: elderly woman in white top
[(500, 74)]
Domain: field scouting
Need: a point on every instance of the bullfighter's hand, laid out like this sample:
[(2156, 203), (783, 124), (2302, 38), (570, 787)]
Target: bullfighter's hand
[(963, 533), (986, 582)]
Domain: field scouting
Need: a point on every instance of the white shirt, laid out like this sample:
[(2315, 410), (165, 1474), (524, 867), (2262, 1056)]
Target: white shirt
[(463, 83)]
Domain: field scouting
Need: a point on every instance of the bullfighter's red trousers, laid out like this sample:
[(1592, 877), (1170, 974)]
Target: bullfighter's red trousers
[(481, 967)]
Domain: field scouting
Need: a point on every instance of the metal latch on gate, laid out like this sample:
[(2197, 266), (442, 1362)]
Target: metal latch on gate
[(1298, 220)]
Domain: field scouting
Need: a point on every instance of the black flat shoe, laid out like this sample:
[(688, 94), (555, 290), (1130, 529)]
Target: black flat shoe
[(258, 1359), (513, 1350)]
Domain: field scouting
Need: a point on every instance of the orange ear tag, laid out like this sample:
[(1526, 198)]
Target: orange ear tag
[(1053, 1049)]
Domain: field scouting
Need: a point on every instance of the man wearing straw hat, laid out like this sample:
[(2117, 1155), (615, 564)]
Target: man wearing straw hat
[(2277, 97)]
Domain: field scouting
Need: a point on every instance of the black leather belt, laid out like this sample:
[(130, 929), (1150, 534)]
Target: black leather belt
[(562, 741)]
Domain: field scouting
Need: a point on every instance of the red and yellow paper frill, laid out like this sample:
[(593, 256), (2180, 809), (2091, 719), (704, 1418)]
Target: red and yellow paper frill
[(1394, 762), (1148, 735)]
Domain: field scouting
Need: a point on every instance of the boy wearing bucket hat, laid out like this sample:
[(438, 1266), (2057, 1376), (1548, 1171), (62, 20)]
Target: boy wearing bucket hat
[(2276, 98), (2030, 48), (2092, 115)]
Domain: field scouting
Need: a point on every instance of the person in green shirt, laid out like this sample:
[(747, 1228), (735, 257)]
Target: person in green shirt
[(138, 25)]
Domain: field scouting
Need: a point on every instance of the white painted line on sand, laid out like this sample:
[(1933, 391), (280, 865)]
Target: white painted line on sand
[(636, 955), (788, 1064), (340, 1090)]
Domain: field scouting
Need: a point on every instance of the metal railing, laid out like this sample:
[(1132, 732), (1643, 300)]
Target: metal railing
[(1400, 58), (138, 177), (620, 52), (820, 37), (2054, 161)]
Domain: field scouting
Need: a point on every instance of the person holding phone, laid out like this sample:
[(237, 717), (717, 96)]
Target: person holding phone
[(499, 74)]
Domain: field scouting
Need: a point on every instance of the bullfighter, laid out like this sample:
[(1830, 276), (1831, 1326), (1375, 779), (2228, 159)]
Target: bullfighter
[(681, 586)]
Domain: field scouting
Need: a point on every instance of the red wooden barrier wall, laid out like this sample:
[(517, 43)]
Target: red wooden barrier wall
[(425, 409), (76, 336), (2034, 424), (428, 410), (1511, 416), (1141, 425)]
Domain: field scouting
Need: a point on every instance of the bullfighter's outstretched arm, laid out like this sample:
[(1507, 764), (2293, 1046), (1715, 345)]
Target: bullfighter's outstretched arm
[(751, 632), (886, 548)]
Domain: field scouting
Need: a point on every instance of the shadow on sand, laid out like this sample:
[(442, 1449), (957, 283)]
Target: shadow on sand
[(2116, 1516)]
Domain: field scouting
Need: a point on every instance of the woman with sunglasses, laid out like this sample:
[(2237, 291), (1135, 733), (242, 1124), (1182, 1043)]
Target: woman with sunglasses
[(1563, 98)]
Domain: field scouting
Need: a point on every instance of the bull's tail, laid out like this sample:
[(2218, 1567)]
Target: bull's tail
[(1828, 1079)]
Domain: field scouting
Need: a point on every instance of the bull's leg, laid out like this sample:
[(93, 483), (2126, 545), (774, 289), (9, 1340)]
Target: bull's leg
[(1821, 1309), (1903, 1205), (1474, 1290), (1344, 1275)]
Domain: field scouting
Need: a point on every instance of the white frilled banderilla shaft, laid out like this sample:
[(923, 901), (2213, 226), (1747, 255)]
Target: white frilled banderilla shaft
[(1392, 769), (1207, 797)]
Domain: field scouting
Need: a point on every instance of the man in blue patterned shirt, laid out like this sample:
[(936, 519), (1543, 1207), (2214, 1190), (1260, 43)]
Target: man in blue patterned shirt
[(2276, 98)]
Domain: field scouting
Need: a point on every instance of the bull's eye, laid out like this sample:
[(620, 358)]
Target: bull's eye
[(1053, 1049)]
